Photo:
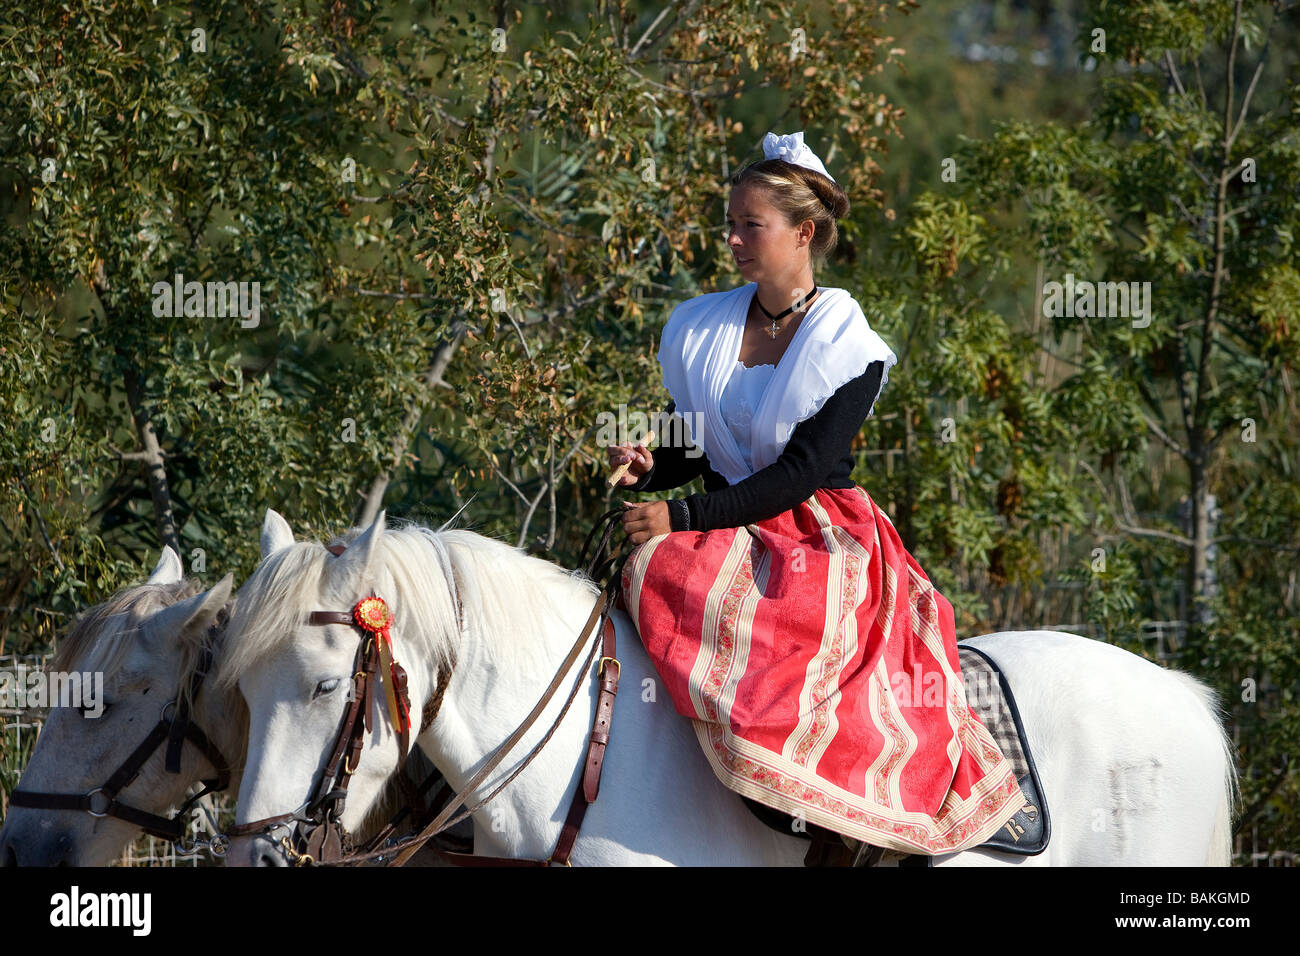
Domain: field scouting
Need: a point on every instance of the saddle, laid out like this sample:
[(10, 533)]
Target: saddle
[(990, 698)]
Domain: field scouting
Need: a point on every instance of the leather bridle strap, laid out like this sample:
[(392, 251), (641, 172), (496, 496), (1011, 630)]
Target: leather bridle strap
[(324, 807), (103, 802), (356, 720), (583, 796)]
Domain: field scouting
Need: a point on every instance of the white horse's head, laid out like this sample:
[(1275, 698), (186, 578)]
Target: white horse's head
[(140, 647), (297, 677)]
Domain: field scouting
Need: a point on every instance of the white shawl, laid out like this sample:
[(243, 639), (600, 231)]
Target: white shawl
[(699, 349)]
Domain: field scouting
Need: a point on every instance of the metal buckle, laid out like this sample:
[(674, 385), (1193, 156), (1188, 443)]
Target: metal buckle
[(600, 672), (107, 806)]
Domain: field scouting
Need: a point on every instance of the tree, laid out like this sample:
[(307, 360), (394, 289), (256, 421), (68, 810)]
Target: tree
[(1180, 182)]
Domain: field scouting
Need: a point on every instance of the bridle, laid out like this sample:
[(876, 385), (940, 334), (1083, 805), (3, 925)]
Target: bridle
[(175, 726), (324, 841), (173, 729)]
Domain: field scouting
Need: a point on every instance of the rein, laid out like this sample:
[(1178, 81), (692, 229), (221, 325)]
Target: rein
[(325, 842), (601, 563), (172, 730)]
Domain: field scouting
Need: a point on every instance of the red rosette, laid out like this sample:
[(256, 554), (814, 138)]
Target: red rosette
[(372, 614)]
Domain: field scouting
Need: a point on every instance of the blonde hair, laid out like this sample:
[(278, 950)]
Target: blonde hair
[(799, 193)]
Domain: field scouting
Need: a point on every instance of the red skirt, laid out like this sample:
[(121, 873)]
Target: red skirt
[(819, 667)]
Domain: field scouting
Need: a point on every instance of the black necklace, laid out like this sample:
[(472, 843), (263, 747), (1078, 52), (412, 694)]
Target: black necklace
[(775, 318)]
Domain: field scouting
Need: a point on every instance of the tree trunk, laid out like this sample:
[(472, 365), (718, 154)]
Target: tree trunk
[(155, 471), (907, 498), (1198, 577)]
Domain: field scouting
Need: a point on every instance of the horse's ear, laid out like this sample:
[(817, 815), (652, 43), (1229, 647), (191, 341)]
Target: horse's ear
[(194, 613), (169, 569), (275, 533), (360, 554)]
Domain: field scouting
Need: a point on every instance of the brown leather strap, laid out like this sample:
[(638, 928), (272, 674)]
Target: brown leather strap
[(352, 731), (609, 672), (331, 617), (259, 826), (586, 794), (347, 746)]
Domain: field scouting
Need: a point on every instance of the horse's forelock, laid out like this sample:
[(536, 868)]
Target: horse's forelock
[(271, 606)]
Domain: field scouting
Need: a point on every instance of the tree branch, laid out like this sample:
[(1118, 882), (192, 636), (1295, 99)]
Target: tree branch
[(1151, 533), (1259, 68), (40, 523), (1160, 433), (433, 376)]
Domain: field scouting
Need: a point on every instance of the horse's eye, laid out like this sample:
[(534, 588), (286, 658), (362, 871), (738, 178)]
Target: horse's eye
[(326, 687)]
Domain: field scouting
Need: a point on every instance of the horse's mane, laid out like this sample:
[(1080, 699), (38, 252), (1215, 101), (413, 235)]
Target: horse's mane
[(503, 593)]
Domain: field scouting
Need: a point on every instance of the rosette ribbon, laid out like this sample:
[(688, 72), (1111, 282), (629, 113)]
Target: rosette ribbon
[(373, 615)]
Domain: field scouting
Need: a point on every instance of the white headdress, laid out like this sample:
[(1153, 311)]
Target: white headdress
[(792, 149)]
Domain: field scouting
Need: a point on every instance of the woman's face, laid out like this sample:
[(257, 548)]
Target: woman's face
[(764, 245)]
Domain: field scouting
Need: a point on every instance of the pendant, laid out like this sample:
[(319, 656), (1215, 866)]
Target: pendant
[(774, 330)]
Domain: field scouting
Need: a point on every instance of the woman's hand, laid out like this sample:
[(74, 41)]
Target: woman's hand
[(640, 458), (646, 520)]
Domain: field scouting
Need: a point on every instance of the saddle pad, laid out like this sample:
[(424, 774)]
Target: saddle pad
[(990, 698)]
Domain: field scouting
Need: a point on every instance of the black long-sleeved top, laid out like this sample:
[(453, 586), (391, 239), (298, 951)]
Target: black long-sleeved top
[(816, 456)]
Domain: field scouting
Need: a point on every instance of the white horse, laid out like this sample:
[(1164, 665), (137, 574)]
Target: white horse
[(1135, 766), (146, 640)]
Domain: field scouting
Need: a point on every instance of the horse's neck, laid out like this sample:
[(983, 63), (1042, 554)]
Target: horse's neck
[(487, 699)]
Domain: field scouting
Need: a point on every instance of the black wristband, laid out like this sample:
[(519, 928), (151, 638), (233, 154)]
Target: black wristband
[(679, 515)]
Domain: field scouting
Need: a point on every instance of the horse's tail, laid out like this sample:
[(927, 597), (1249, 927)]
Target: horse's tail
[(1220, 851)]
